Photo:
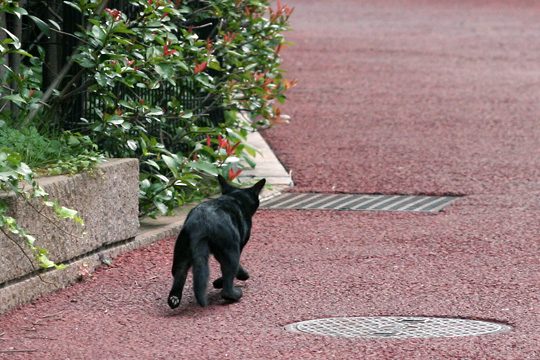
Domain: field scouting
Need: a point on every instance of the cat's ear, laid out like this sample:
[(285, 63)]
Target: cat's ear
[(225, 187), (258, 186)]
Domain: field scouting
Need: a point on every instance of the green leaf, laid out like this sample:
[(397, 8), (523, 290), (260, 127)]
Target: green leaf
[(126, 104), (182, 65), (30, 239), (115, 120), (153, 164), (16, 98), (55, 25), (65, 213), (204, 82), (85, 60), (24, 170), (39, 192), (186, 115), (154, 112), (73, 5), (170, 161), (204, 167), (102, 80), (44, 262), (16, 41), (214, 64), (249, 160), (166, 71), (132, 144), (163, 209), (78, 220), (172, 164), (145, 184), (41, 25), (60, 266), (24, 53), (99, 33), (18, 11), (122, 28), (250, 150), (163, 178)]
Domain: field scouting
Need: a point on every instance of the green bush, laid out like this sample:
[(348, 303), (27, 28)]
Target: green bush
[(159, 45)]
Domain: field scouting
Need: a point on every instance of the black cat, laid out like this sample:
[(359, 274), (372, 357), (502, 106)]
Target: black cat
[(220, 227)]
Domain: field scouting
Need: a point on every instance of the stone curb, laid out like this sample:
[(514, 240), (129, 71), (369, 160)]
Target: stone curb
[(151, 230)]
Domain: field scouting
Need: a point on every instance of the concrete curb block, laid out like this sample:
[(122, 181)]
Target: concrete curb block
[(107, 201)]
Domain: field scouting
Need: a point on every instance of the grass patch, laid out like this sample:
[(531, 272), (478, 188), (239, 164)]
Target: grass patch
[(65, 154)]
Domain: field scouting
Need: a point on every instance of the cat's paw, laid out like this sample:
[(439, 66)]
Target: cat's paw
[(242, 275), (201, 300), (233, 295), (218, 283), (174, 301)]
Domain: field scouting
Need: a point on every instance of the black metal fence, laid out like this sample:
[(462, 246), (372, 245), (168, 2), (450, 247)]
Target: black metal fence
[(170, 129), (81, 107)]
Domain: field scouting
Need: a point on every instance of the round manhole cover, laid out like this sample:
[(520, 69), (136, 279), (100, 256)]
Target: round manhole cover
[(397, 327)]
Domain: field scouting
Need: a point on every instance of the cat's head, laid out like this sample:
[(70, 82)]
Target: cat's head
[(249, 197)]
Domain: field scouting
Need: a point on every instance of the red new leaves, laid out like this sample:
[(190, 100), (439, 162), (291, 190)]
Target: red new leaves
[(166, 50), (224, 144), (229, 148), (289, 84), (234, 173), (281, 11), (270, 86), (277, 117), (226, 152), (200, 67), (229, 37), (209, 46), (115, 13)]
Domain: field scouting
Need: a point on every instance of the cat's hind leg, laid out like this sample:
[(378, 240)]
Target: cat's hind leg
[(179, 279), (242, 274), (180, 268), (230, 262)]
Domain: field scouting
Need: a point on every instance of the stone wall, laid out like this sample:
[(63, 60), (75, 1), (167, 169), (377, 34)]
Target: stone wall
[(107, 200)]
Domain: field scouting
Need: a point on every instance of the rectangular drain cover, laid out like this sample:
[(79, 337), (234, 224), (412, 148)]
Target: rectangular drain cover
[(366, 202)]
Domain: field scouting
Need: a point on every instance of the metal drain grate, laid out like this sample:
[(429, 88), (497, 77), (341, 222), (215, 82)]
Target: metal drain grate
[(397, 327), (419, 203)]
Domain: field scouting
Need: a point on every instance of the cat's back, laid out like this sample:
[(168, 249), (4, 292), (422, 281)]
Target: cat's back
[(218, 219), (215, 209)]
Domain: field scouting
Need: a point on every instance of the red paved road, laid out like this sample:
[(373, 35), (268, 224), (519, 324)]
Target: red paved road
[(394, 96)]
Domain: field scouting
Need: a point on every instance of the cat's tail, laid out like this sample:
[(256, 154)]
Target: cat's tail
[(200, 253)]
